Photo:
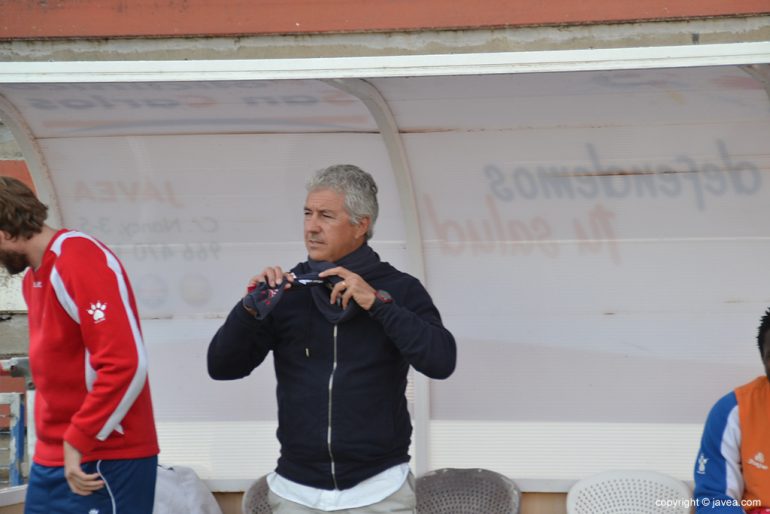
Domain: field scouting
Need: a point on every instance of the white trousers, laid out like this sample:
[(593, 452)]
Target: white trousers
[(401, 502)]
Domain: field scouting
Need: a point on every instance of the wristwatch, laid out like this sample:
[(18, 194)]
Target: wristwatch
[(381, 297)]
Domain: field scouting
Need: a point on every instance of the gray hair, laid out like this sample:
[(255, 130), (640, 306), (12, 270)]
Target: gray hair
[(355, 185)]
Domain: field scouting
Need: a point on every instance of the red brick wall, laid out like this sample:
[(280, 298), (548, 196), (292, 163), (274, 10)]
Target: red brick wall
[(9, 385), (16, 169)]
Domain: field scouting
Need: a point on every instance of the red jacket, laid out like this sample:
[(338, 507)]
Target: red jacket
[(87, 356)]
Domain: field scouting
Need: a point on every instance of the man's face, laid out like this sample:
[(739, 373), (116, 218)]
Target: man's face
[(329, 235), (12, 259)]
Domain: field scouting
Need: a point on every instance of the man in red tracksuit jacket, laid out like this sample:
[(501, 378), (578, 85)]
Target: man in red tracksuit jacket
[(96, 449)]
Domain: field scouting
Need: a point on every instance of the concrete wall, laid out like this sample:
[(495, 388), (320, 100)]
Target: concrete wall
[(640, 34)]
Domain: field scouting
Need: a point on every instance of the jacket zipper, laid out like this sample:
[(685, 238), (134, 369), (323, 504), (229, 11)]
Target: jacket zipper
[(329, 427)]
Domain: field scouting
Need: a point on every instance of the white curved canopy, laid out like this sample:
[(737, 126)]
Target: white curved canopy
[(593, 234)]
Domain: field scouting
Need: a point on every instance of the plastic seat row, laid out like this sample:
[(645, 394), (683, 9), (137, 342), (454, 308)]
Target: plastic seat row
[(481, 491)]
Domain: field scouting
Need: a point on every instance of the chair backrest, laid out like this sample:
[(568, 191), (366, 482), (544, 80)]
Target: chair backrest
[(255, 498), (629, 492), (179, 489), (466, 491)]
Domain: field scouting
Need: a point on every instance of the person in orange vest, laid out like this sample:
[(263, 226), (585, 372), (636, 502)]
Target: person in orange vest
[(732, 470)]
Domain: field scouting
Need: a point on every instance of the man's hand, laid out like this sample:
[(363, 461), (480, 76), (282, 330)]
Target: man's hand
[(273, 275), (79, 482), (351, 286)]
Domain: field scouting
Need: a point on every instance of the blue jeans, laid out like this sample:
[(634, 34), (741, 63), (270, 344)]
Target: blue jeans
[(129, 488)]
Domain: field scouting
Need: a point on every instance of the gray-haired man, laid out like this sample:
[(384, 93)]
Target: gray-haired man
[(342, 348)]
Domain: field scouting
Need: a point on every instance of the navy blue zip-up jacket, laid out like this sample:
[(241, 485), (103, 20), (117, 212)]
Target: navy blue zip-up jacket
[(342, 413)]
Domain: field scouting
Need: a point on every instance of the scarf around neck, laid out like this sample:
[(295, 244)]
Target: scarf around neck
[(362, 261)]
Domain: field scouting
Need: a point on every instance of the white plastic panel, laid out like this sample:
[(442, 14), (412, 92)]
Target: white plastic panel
[(193, 217), (225, 107), (620, 98), (548, 452), (624, 287)]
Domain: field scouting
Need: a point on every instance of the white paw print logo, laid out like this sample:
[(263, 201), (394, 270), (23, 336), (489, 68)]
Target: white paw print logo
[(97, 311), (93, 511)]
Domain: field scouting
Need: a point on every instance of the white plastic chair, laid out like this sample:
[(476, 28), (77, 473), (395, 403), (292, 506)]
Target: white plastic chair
[(179, 490), (255, 498), (466, 491), (629, 492)]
